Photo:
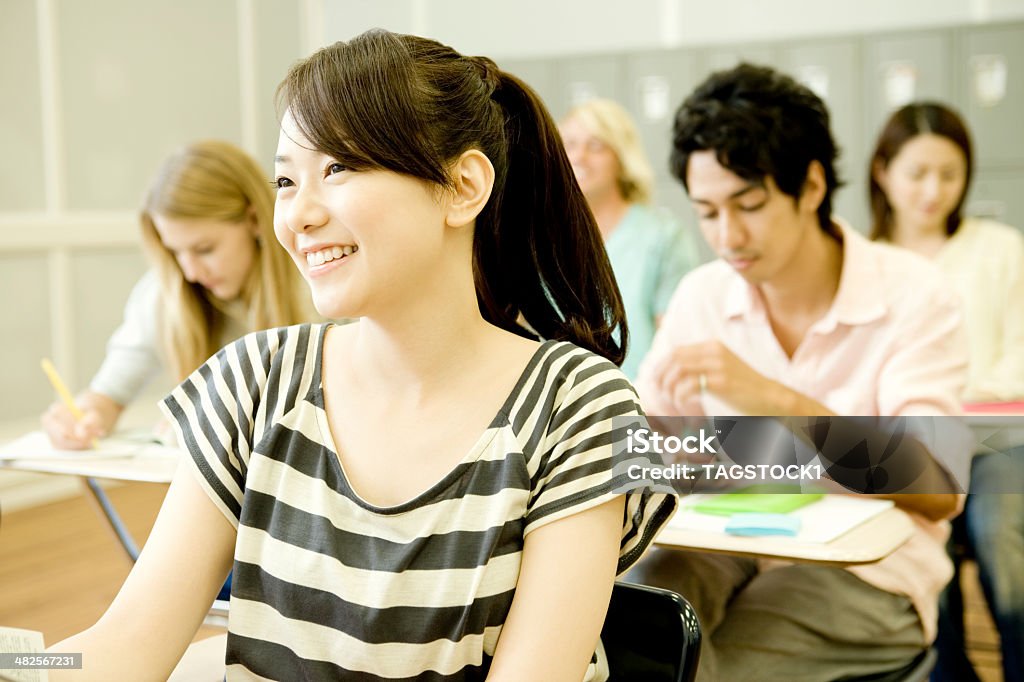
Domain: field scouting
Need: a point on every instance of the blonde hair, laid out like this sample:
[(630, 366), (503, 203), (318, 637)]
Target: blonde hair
[(215, 180), (610, 123)]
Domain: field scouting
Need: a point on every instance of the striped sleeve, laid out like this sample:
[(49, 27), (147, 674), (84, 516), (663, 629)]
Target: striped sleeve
[(216, 413), (580, 463)]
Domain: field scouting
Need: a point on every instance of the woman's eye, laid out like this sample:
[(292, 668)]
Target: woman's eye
[(751, 209), (281, 183), (336, 168)]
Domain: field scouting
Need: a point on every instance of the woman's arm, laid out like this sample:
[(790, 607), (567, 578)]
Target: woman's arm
[(565, 584), (133, 354), (162, 602)]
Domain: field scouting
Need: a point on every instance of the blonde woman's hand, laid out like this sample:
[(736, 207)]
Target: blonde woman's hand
[(100, 414)]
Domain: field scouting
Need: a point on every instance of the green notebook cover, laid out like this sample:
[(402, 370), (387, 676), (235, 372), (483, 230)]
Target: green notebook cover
[(762, 503)]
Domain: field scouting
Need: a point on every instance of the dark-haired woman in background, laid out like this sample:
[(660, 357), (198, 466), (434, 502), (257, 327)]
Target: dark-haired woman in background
[(920, 173), (428, 492)]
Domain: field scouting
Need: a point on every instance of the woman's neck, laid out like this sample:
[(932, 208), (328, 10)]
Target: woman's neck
[(236, 309), (421, 362), (924, 239), (608, 210), (417, 343)]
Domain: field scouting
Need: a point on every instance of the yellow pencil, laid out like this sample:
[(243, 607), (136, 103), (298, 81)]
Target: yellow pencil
[(62, 390)]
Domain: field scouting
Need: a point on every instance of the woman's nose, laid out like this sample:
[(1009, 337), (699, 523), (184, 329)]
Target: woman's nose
[(307, 211), (932, 186)]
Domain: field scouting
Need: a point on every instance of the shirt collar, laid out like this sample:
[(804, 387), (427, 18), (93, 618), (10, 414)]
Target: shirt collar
[(860, 298)]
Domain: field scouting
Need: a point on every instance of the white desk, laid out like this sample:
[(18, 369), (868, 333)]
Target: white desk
[(866, 543), (1001, 425), (156, 466), (145, 469), (203, 661)]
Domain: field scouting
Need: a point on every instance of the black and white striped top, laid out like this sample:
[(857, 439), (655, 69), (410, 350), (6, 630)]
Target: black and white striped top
[(328, 587)]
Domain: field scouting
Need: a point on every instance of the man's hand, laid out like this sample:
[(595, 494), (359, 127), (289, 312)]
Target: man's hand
[(688, 371)]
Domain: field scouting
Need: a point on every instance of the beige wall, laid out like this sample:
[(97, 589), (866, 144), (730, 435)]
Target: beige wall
[(94, 95), (539, 28)]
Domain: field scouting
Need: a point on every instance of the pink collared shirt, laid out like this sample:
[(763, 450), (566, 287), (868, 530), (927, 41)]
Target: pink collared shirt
[(892, 344)]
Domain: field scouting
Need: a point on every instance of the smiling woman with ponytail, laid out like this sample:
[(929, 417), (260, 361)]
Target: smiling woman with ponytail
[(430, 492)]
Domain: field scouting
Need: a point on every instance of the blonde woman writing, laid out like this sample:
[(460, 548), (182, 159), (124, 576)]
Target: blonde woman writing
[(217, 273)]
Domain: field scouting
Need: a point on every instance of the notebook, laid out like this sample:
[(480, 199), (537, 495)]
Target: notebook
[(754, 503), (820, 521)]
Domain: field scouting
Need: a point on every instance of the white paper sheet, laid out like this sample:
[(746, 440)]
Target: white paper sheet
[(36, 445), (18, 641)]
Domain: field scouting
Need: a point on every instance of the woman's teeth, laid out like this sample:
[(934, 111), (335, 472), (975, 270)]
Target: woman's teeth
[(329, 254)]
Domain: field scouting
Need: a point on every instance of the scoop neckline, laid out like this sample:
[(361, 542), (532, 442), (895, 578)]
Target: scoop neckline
[(429, 494)]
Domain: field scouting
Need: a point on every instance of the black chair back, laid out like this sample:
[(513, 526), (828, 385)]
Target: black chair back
[(650, 634)]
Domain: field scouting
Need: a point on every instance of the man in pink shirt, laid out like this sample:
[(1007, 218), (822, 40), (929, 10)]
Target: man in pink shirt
[(800, 316)]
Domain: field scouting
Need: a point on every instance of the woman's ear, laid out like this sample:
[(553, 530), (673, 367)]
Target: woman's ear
[(254, 224), (474, 180), (880, 173)]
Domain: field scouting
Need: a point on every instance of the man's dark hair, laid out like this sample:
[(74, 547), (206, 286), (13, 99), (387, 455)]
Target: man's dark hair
[(759, 123)]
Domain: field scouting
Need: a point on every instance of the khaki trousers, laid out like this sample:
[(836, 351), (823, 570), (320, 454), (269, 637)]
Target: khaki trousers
[(798, 623)]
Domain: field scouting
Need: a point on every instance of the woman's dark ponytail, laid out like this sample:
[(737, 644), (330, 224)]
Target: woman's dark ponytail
[(538, 250)]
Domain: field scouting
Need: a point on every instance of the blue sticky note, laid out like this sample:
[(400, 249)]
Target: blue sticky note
[(762, 524)]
